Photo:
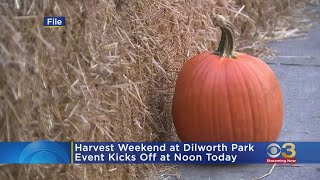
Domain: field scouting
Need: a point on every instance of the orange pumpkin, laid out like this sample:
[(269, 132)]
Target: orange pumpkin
[(227, 96)]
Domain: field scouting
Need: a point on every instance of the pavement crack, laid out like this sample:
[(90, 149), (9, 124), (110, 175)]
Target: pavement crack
[(291, 64)]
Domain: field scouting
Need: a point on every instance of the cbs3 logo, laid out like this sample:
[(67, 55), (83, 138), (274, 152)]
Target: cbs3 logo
[(274, 150)]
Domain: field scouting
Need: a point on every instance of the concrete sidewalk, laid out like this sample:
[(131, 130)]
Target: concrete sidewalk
[(297, 67)]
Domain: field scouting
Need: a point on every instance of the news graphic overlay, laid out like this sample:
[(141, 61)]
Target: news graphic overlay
[(195, 153), (39, 152), (48, 152), (54, 21)]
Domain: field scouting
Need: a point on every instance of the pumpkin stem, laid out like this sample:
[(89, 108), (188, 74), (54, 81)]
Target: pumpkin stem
[(226, 45)]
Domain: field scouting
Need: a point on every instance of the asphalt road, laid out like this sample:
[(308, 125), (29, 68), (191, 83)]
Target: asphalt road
[(297, 66)]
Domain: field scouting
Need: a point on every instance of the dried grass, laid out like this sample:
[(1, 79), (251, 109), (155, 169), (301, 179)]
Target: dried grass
[(109, 75)]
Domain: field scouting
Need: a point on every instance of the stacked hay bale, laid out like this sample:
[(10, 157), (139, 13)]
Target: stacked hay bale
[(109, 74)]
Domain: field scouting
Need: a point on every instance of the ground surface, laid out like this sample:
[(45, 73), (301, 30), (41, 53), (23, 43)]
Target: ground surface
[(297, 67)]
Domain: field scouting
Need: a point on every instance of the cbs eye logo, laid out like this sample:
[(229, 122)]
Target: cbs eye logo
[(274, 150), (42, 152)]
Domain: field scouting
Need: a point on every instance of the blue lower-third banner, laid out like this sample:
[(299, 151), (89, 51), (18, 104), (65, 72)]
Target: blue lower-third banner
[(48, 152)]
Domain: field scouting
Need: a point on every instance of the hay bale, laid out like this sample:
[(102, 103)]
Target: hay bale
[(110, 74)]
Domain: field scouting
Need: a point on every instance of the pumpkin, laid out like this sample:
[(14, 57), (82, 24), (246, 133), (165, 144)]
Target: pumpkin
[(227, 96)]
